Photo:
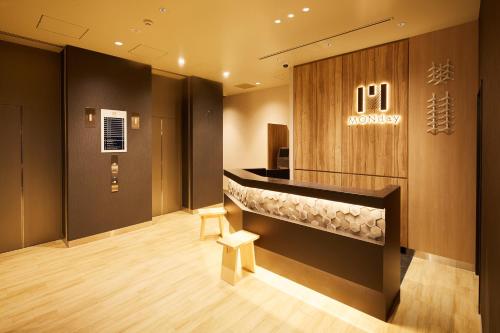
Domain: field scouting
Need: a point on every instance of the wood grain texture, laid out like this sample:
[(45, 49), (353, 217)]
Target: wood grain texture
[(162, 279), (376, 150), (325, 96), (442, 168), (277, 137), (304, 115), (329, 123)]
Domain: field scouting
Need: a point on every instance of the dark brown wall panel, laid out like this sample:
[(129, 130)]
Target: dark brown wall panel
[(202, 143), (11, 233), (489, 50), (106, 82), (31, 78)]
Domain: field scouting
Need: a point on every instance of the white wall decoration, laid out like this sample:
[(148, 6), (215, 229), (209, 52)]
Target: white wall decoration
[(440, 113)]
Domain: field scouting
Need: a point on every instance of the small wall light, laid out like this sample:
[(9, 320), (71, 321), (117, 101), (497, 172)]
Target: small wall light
[(135, 121), (90, 118)]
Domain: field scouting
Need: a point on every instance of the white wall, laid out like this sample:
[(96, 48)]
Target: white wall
[(245, 125)]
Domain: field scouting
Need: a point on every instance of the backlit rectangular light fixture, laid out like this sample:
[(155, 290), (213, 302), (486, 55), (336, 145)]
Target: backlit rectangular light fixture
[(371, 90), (135, 121), (361, 99), (90, 120), (384, 97)]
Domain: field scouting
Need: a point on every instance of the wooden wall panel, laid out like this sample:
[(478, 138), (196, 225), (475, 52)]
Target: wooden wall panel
[(376, 150), (328, 129), (364, 156), (277, 137), (304, 115), (305, 176), (442, 168)]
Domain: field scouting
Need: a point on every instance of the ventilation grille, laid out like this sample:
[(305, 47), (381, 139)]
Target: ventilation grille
[(114, 131)]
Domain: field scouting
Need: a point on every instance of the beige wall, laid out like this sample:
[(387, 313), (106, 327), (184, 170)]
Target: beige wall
[(245, 125)]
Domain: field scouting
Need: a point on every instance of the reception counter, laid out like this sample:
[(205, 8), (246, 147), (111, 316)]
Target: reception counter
[(338, 241)]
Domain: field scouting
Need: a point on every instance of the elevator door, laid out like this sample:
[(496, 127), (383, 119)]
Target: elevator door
[(166, 160), (11, 226)]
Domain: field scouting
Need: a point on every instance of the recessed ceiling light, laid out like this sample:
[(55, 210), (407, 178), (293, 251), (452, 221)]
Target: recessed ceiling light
[(306, 9), (181, 61), (136, 30), (118, 43), (257, 83), (291, 15), (278, 21), (226, 74), (401, 24), (163, 10)]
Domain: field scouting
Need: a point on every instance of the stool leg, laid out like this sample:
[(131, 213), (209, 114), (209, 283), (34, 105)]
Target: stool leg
[(248, 257), (221, 226), (202, 228), (229, 270)]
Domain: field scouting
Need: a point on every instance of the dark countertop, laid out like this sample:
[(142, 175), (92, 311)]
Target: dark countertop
[(369, 198)]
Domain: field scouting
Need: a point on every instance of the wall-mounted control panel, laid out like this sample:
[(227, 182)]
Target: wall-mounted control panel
[(114, 173)]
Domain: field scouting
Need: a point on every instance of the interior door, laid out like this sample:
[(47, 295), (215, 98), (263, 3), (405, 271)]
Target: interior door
[(11, 229)]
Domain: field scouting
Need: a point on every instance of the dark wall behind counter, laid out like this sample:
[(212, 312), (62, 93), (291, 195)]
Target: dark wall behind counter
[(105, 82)]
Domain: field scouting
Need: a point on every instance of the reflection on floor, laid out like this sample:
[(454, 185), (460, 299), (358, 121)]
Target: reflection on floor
[(163, 278)]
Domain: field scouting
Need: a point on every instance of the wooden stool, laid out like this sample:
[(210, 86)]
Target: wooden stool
[(233, 243), (206, 213)]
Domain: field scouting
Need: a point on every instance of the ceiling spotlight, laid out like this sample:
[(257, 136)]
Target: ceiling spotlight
[(118, 43), (147, 22), (163, 10), (291, 15), (181, 61), (257, 83), (306, 9), (401, 24), (278, 21), (226, 74)]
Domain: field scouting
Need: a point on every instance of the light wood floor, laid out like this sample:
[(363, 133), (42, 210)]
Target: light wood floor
[(163, 279)]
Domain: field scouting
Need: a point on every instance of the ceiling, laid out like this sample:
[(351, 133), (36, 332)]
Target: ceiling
[(227, 35)]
